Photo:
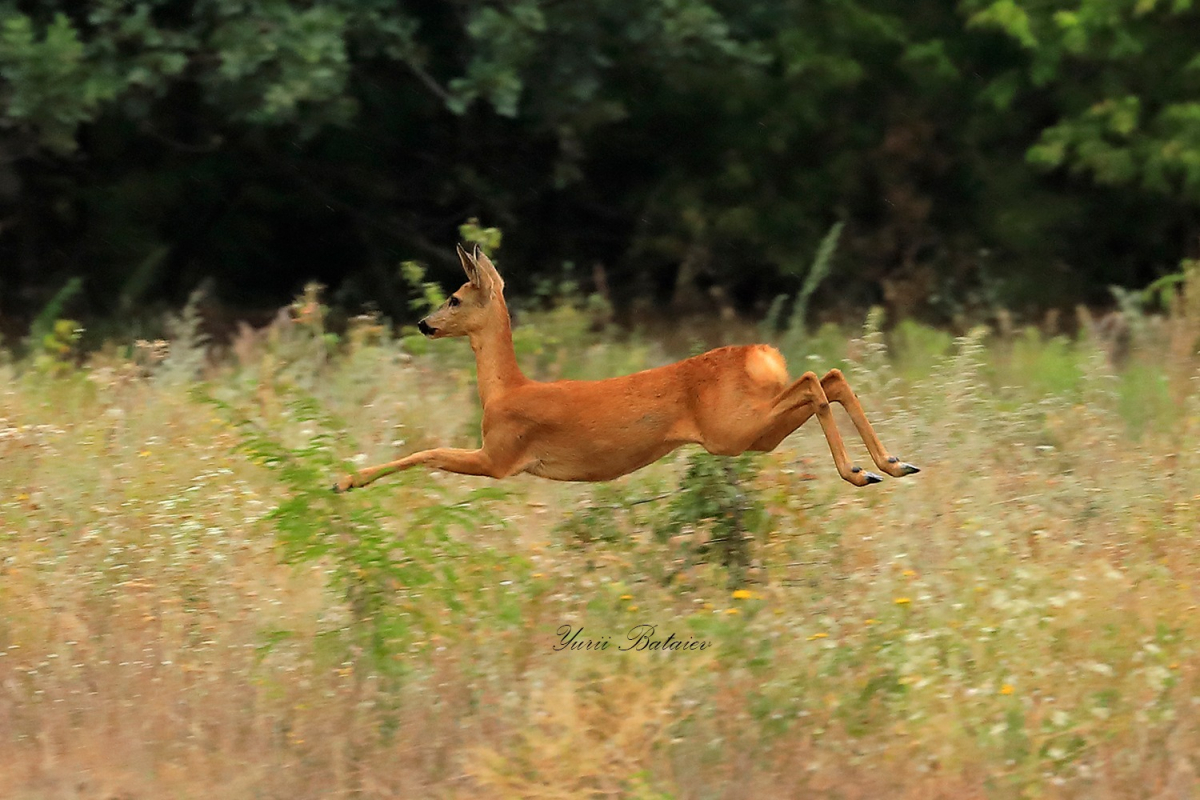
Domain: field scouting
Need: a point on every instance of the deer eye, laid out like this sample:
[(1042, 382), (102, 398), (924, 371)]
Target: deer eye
[(453, 301)]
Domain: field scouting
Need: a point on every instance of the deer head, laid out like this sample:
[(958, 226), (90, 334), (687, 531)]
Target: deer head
[(470, 308)]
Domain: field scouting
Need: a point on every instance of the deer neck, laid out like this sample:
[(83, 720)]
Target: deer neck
[(495, 359)]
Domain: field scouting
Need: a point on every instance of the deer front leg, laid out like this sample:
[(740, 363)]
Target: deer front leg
[(839, 391), (464, 462)]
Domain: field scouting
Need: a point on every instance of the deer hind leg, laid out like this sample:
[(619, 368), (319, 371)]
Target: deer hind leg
[(463, 462), (792, 408), (839, 391), (781, 427)]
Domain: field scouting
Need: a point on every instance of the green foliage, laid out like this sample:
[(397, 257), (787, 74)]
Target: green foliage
[(821, 266), (712, 516), (487, 238), (300, 64), (57, 350), (716, 498), (1160, 294), (53, 341), (817, 272), (560, 321), (426, 295), (379, 573), (48, 318), (50, 86), (1047, 365), (1145, 400), (257, 141), (917, 348), (597, 521), (1113, 125)]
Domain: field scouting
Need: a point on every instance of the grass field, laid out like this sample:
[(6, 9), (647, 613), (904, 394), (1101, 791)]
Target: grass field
[(186, 611)]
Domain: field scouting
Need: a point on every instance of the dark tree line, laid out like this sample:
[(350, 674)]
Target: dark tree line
[(980, 153)]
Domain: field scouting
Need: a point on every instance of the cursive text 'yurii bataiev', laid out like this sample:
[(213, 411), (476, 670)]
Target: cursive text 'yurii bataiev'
[(639, 637)]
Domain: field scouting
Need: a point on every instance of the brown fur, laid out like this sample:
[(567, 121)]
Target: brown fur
[(728, 400)]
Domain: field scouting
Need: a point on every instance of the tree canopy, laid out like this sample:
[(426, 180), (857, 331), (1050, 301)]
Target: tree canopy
[(979, 153)]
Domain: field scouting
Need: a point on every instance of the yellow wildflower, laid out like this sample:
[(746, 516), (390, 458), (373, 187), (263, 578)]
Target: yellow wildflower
[(1006, 689), (902, 601), (733, 611), (742, 594), (821, 635)]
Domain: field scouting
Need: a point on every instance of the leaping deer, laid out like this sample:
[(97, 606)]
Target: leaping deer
[(728, 400)]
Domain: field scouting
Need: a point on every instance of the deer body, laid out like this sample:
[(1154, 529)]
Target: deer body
[(728, 400), (600, 430)]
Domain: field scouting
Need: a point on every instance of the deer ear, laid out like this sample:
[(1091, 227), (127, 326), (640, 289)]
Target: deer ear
[(488, 272), (469, 266)]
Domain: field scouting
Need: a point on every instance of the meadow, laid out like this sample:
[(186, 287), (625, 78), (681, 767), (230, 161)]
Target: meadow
[(187, 611)]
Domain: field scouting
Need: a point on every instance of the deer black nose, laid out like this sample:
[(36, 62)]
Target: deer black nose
[(425, 328)]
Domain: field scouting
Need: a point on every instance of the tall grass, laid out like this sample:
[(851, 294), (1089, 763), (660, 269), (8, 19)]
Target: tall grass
[(185, 613)]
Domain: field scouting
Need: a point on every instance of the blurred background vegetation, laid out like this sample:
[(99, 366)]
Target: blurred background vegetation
[(979, 154)]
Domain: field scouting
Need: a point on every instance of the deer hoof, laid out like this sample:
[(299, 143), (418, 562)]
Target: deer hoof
[(867, 478), (898, 469), (344, 485)]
